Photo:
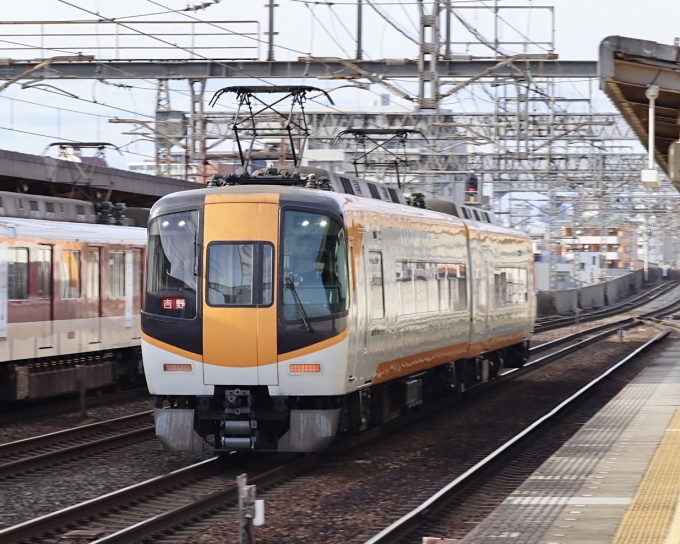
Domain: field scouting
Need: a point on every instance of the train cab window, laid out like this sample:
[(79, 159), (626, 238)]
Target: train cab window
[(240, 274), (45, 272), (375, 274), (17, 273), (172, 265), (93, 272), (116, 274), (315, 278), (70, 274)]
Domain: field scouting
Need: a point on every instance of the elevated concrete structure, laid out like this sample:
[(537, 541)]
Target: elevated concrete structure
[(53, 177), (627, 67)]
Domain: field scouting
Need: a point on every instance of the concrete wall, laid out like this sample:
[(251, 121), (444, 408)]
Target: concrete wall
[(591, 296), (557, 302), (607, 293)]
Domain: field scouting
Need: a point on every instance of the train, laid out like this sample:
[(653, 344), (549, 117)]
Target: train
[(70, 295), (285, 308)]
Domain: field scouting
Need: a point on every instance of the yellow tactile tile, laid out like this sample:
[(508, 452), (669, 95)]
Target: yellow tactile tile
[(648, 520)]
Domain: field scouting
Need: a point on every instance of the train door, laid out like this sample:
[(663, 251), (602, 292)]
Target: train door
[(45, 294), (239, 310), (357, 352), (137, 282), (374, 328), (94, 298)]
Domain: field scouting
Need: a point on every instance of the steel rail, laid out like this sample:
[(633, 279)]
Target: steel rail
[(50, 439), (181, 514), (42, 460), (410, 521), (50, 521), (59, 407), (558, 322)]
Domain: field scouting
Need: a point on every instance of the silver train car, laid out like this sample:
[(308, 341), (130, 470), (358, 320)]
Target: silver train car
[(277, 317)]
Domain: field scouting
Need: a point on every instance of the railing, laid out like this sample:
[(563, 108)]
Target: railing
[(132, 39)]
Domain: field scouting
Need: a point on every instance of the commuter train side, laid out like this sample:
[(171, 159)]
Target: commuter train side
[(276, 317), (70, 294)]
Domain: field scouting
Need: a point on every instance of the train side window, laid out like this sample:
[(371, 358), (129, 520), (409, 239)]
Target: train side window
[(70, 274), (405, 289), (462, 288), (510, 286), (442, 280), (116, 274), (17, 273), (93, 272), (45, 272), (420, 284), (34, 205), (432, 288), (376, 284)]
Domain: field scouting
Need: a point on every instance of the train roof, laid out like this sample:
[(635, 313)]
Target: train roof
[(14, 227), (328, 201)]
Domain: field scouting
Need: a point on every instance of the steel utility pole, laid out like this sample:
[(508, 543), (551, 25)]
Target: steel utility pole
[(270, 53), (359, 23)]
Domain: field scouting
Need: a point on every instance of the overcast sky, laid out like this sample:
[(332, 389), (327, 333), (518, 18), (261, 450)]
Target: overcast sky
[(302, 28)]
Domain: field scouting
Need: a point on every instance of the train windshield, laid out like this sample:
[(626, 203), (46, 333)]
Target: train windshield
[(315, 282), (172, 265)]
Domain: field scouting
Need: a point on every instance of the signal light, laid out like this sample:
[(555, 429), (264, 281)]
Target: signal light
[(305, 367), (178, 367)]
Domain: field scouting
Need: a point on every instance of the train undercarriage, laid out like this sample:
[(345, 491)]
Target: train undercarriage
[(45, 377), (247, 417)]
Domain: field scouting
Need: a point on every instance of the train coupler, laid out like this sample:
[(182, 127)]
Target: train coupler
[(239, 429)]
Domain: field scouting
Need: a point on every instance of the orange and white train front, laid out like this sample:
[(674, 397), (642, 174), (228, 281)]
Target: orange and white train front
[(245, 318)]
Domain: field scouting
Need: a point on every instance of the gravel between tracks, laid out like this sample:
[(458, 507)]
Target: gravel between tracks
[(35, 494), (348, 499), (34, 427)]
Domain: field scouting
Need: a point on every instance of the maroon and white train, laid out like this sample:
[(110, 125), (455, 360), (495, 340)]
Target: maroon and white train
[(70, 294)]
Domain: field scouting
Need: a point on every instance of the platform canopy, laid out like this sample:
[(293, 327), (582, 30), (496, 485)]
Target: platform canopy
[(627, 68), (36, 174)]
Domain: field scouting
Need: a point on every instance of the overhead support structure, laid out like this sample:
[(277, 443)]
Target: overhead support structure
[(305, 67), (428, 59), (628, 68)]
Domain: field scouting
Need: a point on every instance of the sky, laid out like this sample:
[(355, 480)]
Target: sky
[(33, 117)]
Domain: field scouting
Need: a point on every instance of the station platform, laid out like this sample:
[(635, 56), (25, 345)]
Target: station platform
[(616, 480)]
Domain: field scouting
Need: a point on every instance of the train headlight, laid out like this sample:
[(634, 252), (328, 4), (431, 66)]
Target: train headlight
[(297, 368), (178, 367)]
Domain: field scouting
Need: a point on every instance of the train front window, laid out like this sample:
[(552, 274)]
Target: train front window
[(172, 265), (239, 274), (315, 281)]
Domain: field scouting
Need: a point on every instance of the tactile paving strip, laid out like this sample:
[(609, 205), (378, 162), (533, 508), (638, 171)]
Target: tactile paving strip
[(579, 479), (649, 517)]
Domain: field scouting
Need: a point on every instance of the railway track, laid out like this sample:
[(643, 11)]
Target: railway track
[(550, 323), (422, 519), (145, 510), (46, 450), (15, 411)]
